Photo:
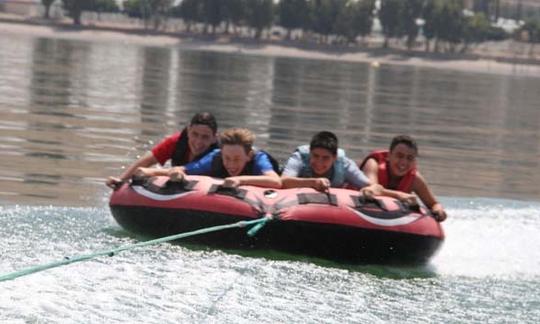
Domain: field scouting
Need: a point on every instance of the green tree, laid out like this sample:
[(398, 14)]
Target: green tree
[(490, 8), (189, 11), (475, 30), (430, 16), (343, 25), (363, 22), (482, 6), (532, 27), (74, 8), (355, 18), (47, 4), (160, 11), (155, 11), (212, 14), (412, 10), (391, 18), (137, 8), (260, 15), (105, 6), (532, 30), (451, 22), (324, 15), (292, 14), (444, 21), (235, 13), (495, 33)]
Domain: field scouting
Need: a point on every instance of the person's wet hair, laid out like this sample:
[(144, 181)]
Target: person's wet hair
[(325, 140), (205, 118), (238, 136), (406, 140)]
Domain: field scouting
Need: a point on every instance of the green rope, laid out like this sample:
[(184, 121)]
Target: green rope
[(69, 260), (257, 227)]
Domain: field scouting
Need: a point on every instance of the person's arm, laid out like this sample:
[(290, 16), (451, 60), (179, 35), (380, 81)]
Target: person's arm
[(371, 170), (159, 154), (407, 198), (263, 174), (290, 178), (145, 161), (320, 184), (354, 176), (421, 188), (268, 179), (202, 166), (174, 173)]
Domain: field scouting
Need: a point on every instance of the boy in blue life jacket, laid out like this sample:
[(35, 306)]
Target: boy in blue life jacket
[(236, 161), (321, 165)]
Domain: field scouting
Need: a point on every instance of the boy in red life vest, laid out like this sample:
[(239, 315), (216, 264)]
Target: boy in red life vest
[(396, 171), (237, 161), (185, 146), (321, 165)]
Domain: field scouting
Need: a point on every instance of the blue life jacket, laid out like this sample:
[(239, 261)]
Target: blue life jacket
[(337, 179)]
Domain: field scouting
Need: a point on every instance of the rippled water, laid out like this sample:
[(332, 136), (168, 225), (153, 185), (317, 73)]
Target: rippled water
[(487, 271), (74, 112)]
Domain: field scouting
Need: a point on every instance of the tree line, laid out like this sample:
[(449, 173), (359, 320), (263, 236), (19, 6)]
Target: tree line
[(445, 24)]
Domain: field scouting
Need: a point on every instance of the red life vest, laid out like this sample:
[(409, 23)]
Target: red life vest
[(381, 156)]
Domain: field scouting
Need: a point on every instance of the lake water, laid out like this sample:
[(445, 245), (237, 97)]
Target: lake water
[(74, 112)]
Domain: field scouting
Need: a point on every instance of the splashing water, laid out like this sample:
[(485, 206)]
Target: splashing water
[(486, 270)]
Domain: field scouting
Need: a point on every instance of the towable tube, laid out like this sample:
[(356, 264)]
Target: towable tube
[(340, 225)]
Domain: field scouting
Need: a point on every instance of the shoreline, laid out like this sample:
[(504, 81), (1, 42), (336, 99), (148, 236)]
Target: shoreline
[(469, 62)]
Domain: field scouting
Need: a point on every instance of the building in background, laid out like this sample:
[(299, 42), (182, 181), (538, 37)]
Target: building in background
[(21, 7), (31, 8)]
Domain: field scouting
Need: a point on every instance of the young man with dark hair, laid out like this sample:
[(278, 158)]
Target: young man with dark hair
[(321, 165), (396, 171), (236, 161), (185, 146)]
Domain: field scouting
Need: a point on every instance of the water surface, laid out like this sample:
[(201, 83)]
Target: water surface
[(74, 112)]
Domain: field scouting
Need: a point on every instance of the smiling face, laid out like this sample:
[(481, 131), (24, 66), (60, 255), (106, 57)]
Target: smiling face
[(200, 137), (402, 159), (321, 160), (235, 158)]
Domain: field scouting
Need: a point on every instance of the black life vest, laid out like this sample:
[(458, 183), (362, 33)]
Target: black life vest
[(180, 156), (219, 171)]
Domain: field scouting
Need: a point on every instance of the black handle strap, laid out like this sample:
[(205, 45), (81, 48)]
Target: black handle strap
[(408, 207), (317, 198), (169, 188), (363, 201), (228, 191)]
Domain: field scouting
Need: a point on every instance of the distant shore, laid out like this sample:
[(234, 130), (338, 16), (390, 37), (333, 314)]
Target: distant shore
[(492, 61)]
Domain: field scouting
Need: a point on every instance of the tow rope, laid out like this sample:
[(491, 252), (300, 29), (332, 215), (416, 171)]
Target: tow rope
[(257, 224)]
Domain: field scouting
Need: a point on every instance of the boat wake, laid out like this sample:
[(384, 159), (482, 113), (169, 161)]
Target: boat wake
[(490, 237)]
